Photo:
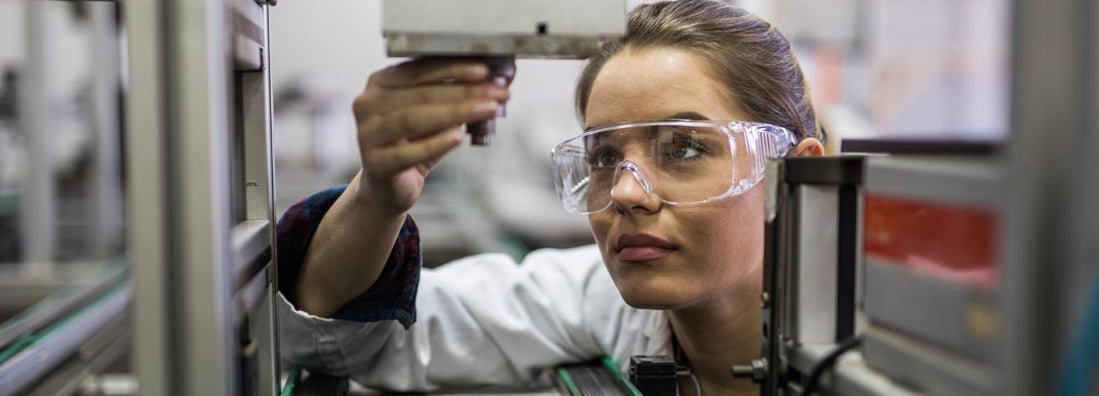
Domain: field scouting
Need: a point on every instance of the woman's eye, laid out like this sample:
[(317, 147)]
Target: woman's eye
[(685, 149), (603, 158), (685, 152)]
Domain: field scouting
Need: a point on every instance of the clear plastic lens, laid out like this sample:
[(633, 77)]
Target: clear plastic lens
[(681, 162)]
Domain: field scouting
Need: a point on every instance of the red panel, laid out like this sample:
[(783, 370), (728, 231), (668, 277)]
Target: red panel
[(949, 242)]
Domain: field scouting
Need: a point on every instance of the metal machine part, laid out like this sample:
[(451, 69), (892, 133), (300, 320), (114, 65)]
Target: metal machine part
[(200, 186), (501, 69), (654, 375), (932, 275), (77, 331), (920, 329), (597, 378), (499, 31), (809, 300)]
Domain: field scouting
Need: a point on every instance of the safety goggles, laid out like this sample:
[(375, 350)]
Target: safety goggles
[(680, 162)]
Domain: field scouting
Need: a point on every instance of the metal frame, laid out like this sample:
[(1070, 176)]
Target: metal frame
[(1052, 188), (38, 223), (202, 237), (1045, 197)]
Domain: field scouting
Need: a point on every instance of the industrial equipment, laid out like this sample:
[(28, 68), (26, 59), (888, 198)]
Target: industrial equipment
[(498, 31)]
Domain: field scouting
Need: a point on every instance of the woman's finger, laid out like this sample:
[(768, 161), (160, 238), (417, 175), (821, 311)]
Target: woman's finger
[(391, 160), (382, 101), (414, 122), (429, 70)]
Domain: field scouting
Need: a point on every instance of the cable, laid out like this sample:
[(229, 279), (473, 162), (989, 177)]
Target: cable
[(698, 387), (684, 371), (1080, 360), (828, 361)]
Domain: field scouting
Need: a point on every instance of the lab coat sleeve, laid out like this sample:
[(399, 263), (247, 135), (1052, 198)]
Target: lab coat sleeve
[(483, 320)]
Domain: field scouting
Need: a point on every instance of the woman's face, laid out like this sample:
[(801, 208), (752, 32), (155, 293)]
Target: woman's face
[(662, 256)]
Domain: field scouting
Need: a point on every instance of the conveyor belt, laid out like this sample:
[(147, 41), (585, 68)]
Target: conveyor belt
[(62, 302), (599, 378), (595, 378)]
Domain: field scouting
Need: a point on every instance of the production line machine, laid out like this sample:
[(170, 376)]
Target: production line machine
[(885, 274), (499, 31)]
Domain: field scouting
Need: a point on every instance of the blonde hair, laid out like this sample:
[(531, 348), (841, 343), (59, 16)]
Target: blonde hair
[(752, 58)]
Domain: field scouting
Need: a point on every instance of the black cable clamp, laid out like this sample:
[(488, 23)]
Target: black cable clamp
[(653, 375)]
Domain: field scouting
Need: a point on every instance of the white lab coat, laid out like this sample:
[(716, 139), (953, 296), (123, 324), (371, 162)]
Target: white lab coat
[(484, 320)]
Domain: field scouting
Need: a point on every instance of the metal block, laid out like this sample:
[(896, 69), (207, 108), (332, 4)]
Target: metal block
[(947, 315), (525, 28), (928, 369), (814, 312), (958, 181)]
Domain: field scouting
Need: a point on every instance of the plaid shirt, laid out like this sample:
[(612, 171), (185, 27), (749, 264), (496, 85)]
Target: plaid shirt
[(393, 295)]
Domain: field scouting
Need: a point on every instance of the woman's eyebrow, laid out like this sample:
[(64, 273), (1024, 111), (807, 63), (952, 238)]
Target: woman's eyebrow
[(686, 115), (689, 115)]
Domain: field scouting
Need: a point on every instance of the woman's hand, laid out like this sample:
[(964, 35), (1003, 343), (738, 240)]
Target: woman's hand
[(410, 116)]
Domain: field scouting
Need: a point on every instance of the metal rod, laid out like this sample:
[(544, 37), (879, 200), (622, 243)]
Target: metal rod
[(37, 218)]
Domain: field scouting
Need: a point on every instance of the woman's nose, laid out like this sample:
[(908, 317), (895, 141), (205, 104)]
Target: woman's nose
[(632, 191)]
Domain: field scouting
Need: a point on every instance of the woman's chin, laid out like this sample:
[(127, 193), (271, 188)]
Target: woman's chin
[(650, 298)]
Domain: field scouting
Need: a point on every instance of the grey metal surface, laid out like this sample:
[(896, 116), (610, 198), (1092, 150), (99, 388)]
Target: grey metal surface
[(31, 363), (416, 44), (108, 345), (106, 185), (249, 33), (251, 245), (503, 17), (37, 218), (525, 28), (61, 302), (944, 315), (181, 72), (931, 370), (960, 181), (850, 376), (256, 113), (251, 293), (813, 315), (1050, 200), (147, 198), (198, 132)]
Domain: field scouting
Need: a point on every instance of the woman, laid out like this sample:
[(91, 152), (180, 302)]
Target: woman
[(678, 219)]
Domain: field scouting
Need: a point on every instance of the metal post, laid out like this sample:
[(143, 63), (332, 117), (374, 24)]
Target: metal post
[(147, 198), (37, 218), (106, 184), (199, 132), (258, 163), (179, 213), (1052, 106)]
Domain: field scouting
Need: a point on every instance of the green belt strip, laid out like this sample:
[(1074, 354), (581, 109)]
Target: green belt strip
[(624, 385), (33, 337)]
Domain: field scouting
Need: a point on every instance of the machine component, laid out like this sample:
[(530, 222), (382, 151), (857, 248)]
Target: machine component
[(809, 301), (931, 271), (499, 31), (653, 375), (596, 378), (200, 186), (501, 69), (926, 319), (76, 331)]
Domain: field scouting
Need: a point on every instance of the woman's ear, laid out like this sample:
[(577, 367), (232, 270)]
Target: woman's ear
[(809, 147)]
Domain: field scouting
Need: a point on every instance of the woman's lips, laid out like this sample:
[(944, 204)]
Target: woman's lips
[(641, 247)]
